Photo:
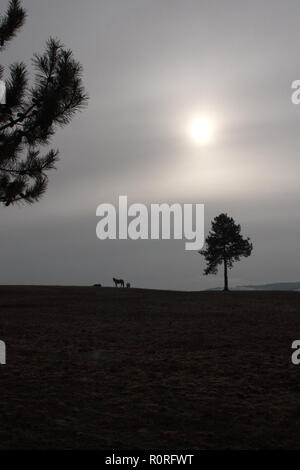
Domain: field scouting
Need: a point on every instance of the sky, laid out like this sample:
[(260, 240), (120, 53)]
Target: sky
[(150, 67)]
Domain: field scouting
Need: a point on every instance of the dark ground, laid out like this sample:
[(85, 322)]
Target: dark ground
[(115, 369)]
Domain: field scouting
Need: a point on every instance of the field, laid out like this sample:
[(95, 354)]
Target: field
[(106, 368)]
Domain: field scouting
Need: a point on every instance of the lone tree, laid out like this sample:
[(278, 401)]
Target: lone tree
[(30, 115), (224, 245)]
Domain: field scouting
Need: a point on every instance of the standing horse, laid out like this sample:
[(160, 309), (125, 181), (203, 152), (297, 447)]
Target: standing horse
[(119, 282)]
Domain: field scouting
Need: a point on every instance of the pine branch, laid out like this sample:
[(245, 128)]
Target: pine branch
[(31, 115), (11, 22)]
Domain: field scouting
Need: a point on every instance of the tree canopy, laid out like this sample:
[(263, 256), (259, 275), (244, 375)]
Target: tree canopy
[(224, 245), (32, 113)]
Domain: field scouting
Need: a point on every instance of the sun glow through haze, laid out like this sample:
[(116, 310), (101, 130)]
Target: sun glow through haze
[(200, 130)]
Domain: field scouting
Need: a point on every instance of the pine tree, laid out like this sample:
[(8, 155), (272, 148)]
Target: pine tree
[(224, 245), (31, 114)]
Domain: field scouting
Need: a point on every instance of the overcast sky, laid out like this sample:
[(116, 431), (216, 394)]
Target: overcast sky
[(149, 67)]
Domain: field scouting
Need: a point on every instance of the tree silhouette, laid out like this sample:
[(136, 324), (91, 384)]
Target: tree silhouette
[(31, 115), (224, 245)]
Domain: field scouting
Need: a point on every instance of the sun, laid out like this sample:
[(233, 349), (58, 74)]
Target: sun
[(201, 130)]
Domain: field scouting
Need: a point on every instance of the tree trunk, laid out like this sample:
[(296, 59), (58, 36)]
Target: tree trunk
[(225, 276)]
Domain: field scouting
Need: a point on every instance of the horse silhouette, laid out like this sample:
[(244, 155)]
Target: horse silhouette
[(119, 282)]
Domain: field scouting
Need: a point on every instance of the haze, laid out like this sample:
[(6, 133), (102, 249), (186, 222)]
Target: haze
[(149, 67)]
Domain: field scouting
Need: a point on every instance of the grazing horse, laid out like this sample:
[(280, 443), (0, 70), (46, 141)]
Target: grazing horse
[(119, 282)]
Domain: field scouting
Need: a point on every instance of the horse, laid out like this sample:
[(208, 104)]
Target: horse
[(119, 282), (128, 285)]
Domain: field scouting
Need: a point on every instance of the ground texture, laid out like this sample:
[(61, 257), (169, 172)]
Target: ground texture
[(106, 368)]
